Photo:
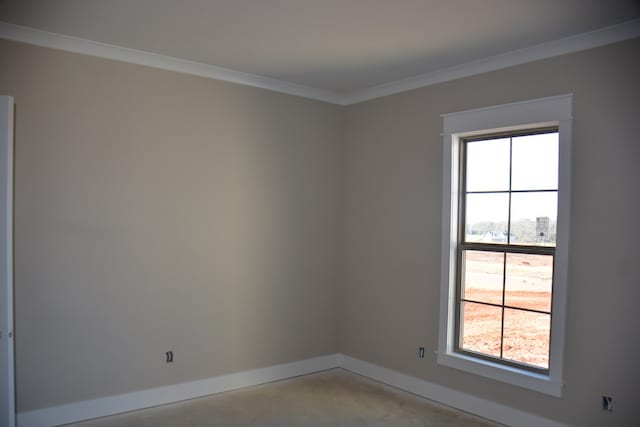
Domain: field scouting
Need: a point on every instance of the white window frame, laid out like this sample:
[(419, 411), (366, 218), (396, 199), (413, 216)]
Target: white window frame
[(533, 114)]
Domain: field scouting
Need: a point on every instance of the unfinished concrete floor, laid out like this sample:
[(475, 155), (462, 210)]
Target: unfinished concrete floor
[(331, 398)]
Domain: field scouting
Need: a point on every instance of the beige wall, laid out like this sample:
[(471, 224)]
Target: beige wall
[(393, 188), (157, 211), (242, 228)]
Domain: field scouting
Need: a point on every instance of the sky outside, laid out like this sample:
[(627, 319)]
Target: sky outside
[(534, 161)]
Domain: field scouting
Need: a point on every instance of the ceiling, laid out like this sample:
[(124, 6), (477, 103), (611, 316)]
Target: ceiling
[(338, 46)]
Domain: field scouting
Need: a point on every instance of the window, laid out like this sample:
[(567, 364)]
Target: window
[(507, 220), (505, 242)]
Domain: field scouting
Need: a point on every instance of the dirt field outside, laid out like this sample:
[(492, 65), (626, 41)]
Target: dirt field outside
[(527, 286)]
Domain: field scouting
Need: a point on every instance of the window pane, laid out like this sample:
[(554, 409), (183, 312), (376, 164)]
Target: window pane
[(483, 276), (528, 281), (480, 328), (486, 217), (488, 165), (526, 337), (533, 218), (535, 162)]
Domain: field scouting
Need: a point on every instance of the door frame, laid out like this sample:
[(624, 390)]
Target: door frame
[(6, 261)]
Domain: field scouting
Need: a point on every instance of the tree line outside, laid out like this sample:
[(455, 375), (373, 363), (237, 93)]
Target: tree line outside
[(523, 231)]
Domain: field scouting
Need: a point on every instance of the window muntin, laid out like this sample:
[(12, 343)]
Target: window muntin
[(506, 248)]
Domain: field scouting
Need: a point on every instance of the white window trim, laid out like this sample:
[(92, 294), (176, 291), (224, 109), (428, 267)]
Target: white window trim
[(537, 113)]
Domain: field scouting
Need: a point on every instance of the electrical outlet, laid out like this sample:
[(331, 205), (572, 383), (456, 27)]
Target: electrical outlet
[(169, 355), (420, 352), (607, 403)]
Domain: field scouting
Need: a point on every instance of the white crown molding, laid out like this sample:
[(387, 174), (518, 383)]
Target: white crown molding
[(104, 406), (102, 50), (588, 40), (592, 39)]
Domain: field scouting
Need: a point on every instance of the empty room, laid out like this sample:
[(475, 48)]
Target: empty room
[(410, 213)]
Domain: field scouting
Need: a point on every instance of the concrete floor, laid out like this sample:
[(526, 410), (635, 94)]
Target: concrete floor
[(335, 398)]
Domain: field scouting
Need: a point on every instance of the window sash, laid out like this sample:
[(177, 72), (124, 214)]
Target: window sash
[(459, 300), (506, 248)]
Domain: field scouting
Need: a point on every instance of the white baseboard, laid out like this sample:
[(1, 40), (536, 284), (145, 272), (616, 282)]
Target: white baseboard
[(465, 402), (101, 407)]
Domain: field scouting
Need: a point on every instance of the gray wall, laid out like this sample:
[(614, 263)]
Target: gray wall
[(243, 228), (393, 188), (159, 211)]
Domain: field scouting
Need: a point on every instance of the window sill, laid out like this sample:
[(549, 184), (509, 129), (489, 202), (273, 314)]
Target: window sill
[(507, 374)]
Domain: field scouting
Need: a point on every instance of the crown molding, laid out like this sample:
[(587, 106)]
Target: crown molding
[(612, 34), (102, 50), (584, 41)]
